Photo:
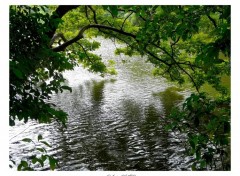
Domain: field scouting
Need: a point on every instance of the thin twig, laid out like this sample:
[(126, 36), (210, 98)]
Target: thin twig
[(126, 19), (86, 13), (19, 133), (94, 14), (85, 52)]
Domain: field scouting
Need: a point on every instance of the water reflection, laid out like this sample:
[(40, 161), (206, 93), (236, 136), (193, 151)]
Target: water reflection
[(127, 138), (170, 98), (114, 124), (97, 91)]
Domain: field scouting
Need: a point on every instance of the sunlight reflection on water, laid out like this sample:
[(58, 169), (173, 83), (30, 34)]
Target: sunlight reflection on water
[(115, 122)]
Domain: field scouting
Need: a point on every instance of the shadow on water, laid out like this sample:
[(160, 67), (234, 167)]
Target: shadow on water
[(97, 92), (131, 110), (170, 98), (145, 142), (156, 139), (115, 124), (102, 136)]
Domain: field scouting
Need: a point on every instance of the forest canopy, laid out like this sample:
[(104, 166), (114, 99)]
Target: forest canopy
[(186, 44)]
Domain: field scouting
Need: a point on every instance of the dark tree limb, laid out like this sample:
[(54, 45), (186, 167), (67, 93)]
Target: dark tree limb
[(106, 21), (55, 37), (212, 20), (80, 35), (94, 14), (59, 13), (126, 19), (157, 58)]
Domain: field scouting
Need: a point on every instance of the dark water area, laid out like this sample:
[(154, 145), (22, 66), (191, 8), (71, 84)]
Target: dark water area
[(115, 122)]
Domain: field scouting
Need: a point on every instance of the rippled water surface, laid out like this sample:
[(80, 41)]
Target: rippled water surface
[(115, 122)]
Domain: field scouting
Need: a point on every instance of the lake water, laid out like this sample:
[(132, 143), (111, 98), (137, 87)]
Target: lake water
[(115, 123)]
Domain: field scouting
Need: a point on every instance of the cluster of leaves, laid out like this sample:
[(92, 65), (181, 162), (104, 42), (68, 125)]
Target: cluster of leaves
[(32, 63), (207, 124), (82, 50), (35, 73), (185, 43), (28, 165)]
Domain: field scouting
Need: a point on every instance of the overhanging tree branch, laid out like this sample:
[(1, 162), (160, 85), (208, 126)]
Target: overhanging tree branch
[(185, 71), (59, 13), (98, 26), (101, 27), (80, 35), (146, 51)]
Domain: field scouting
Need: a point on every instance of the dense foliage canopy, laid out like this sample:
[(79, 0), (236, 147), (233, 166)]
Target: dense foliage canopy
[(186, 44)]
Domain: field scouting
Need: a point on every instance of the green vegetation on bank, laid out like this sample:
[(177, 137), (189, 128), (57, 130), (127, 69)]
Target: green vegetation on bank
[(186, 44)]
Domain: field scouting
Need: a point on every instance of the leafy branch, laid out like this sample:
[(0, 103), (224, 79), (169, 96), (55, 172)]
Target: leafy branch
[(25, 165), (82, 30)]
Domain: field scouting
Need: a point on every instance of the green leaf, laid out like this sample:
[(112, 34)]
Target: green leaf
[(198, 154), (19, 167), (114, 10), (192, 144), (11, 122), (111, 62), (37, 160), (184, 36), (18, 73), (34, 160), (105, 7), (27, 140), (203, 164), (41, 162), (218, 61), (40, 137), (52, 162), (44, 158), (24, 163), (67, 88), (44, 142), (194, 166), (41, 150), (27, 169)]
